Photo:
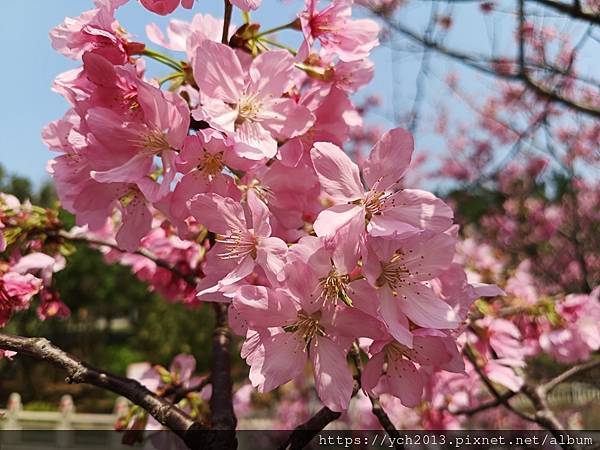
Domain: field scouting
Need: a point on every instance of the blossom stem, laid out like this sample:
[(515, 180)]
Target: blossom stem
[(278, 44), (163, 59), (292, 25), (169, 77), (226, 21)]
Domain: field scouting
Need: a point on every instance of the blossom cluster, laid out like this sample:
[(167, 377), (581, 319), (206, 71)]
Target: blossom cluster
[(29, 267), (241, 160)]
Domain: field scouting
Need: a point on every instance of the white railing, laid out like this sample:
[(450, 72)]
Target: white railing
[(15, 422)]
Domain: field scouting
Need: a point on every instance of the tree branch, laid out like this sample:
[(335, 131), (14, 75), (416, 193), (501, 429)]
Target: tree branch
[(486, 66), (221, 401), (569, 373), (226, 22), (164, 412), (544, 415), (304, 433), (574, 11), (500, 398), (484, 406)]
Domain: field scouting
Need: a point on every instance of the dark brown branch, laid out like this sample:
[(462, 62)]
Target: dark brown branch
[(484, 406), (80, 372), (304, 433), (226, 21), (221, 401), (574, 10)]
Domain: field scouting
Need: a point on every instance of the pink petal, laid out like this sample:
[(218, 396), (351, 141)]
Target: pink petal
[(284, 359), (252, 141), (263, 308), (270, 73), (389, 159), (405, 382), (130, 172), (260, 215), (99, 70), (420, 303), (394, 317), (243, 268), (333, 379), (425, 257), (372, 372), (218, 214), (137, 222), (246, 5), (286, 119), (162, 7), (218, 72), (331, 220), (338, 175), (419, 209), (429, 351), (271, 256), (352, 322)]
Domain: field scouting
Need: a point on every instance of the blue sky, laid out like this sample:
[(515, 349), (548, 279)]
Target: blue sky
[(30, 65)]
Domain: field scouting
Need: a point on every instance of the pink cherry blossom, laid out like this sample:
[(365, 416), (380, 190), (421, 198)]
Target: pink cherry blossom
[(248, 104), (164, 7), (285, 340), (135, 144), (16, 291), (243, 238), (388, 210), (401, 378), (339, 35), (95, 31), (401, 272)]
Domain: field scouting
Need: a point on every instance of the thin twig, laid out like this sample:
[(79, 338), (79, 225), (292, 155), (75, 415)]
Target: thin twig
[(226, 21), (376, 408), (484, 406), (569, 373), (468, 352), (190, 279)]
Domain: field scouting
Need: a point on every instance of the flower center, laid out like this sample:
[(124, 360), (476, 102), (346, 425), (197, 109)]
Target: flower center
[(334, 287), (393, 272), (212, 163), (156, 141), (248, 109), (306, 327), (374, 203), (394, 351), (264, 193), (238, 244)]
